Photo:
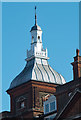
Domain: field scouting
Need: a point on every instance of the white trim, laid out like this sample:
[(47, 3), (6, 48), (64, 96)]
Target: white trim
[(50, 100)]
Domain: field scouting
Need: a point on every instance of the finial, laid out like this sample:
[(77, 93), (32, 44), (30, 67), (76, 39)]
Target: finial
[(77, 52), (35, 16)]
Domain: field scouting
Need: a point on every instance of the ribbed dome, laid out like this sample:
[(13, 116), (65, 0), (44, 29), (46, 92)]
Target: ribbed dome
[(37, 67), (37, 72), (36, 27)]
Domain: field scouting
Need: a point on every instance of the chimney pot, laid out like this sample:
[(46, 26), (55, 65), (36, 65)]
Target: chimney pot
[(77, 52)]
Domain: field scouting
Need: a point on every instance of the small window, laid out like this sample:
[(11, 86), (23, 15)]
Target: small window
[(70, 94), (39, 37), (47, 108), (52, 106), (22, 105)]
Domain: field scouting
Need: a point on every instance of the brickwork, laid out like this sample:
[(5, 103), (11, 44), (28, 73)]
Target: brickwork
[(33, 93)]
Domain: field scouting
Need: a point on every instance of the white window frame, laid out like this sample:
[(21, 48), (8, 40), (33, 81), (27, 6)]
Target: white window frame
[(50, 100)]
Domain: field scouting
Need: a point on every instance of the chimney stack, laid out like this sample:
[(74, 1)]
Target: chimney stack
[(76, 66)]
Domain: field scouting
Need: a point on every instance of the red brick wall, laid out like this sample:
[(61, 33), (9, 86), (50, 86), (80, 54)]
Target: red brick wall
[(33, 90)]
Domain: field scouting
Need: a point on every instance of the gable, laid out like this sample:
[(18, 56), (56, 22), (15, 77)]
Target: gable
[(72, 109)]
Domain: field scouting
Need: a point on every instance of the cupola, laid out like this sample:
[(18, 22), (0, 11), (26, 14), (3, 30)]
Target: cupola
[(37, 67)]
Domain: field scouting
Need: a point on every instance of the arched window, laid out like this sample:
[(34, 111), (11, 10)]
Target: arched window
[(38, 37), (22, 105), (21, 102)]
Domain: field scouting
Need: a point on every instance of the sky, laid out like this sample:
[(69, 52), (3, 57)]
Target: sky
[(60, 25), (40, 0)]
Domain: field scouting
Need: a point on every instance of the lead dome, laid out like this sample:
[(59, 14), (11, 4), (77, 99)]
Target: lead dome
[(37, 67), (37, 72)]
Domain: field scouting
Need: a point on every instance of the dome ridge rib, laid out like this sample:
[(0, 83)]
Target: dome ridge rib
[(49, 73), (52, 72), (46, 72), (40, 72), (60, 78), (35, 73)]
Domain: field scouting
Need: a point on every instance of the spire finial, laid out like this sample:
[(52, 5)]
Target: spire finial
[(35, 16)]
